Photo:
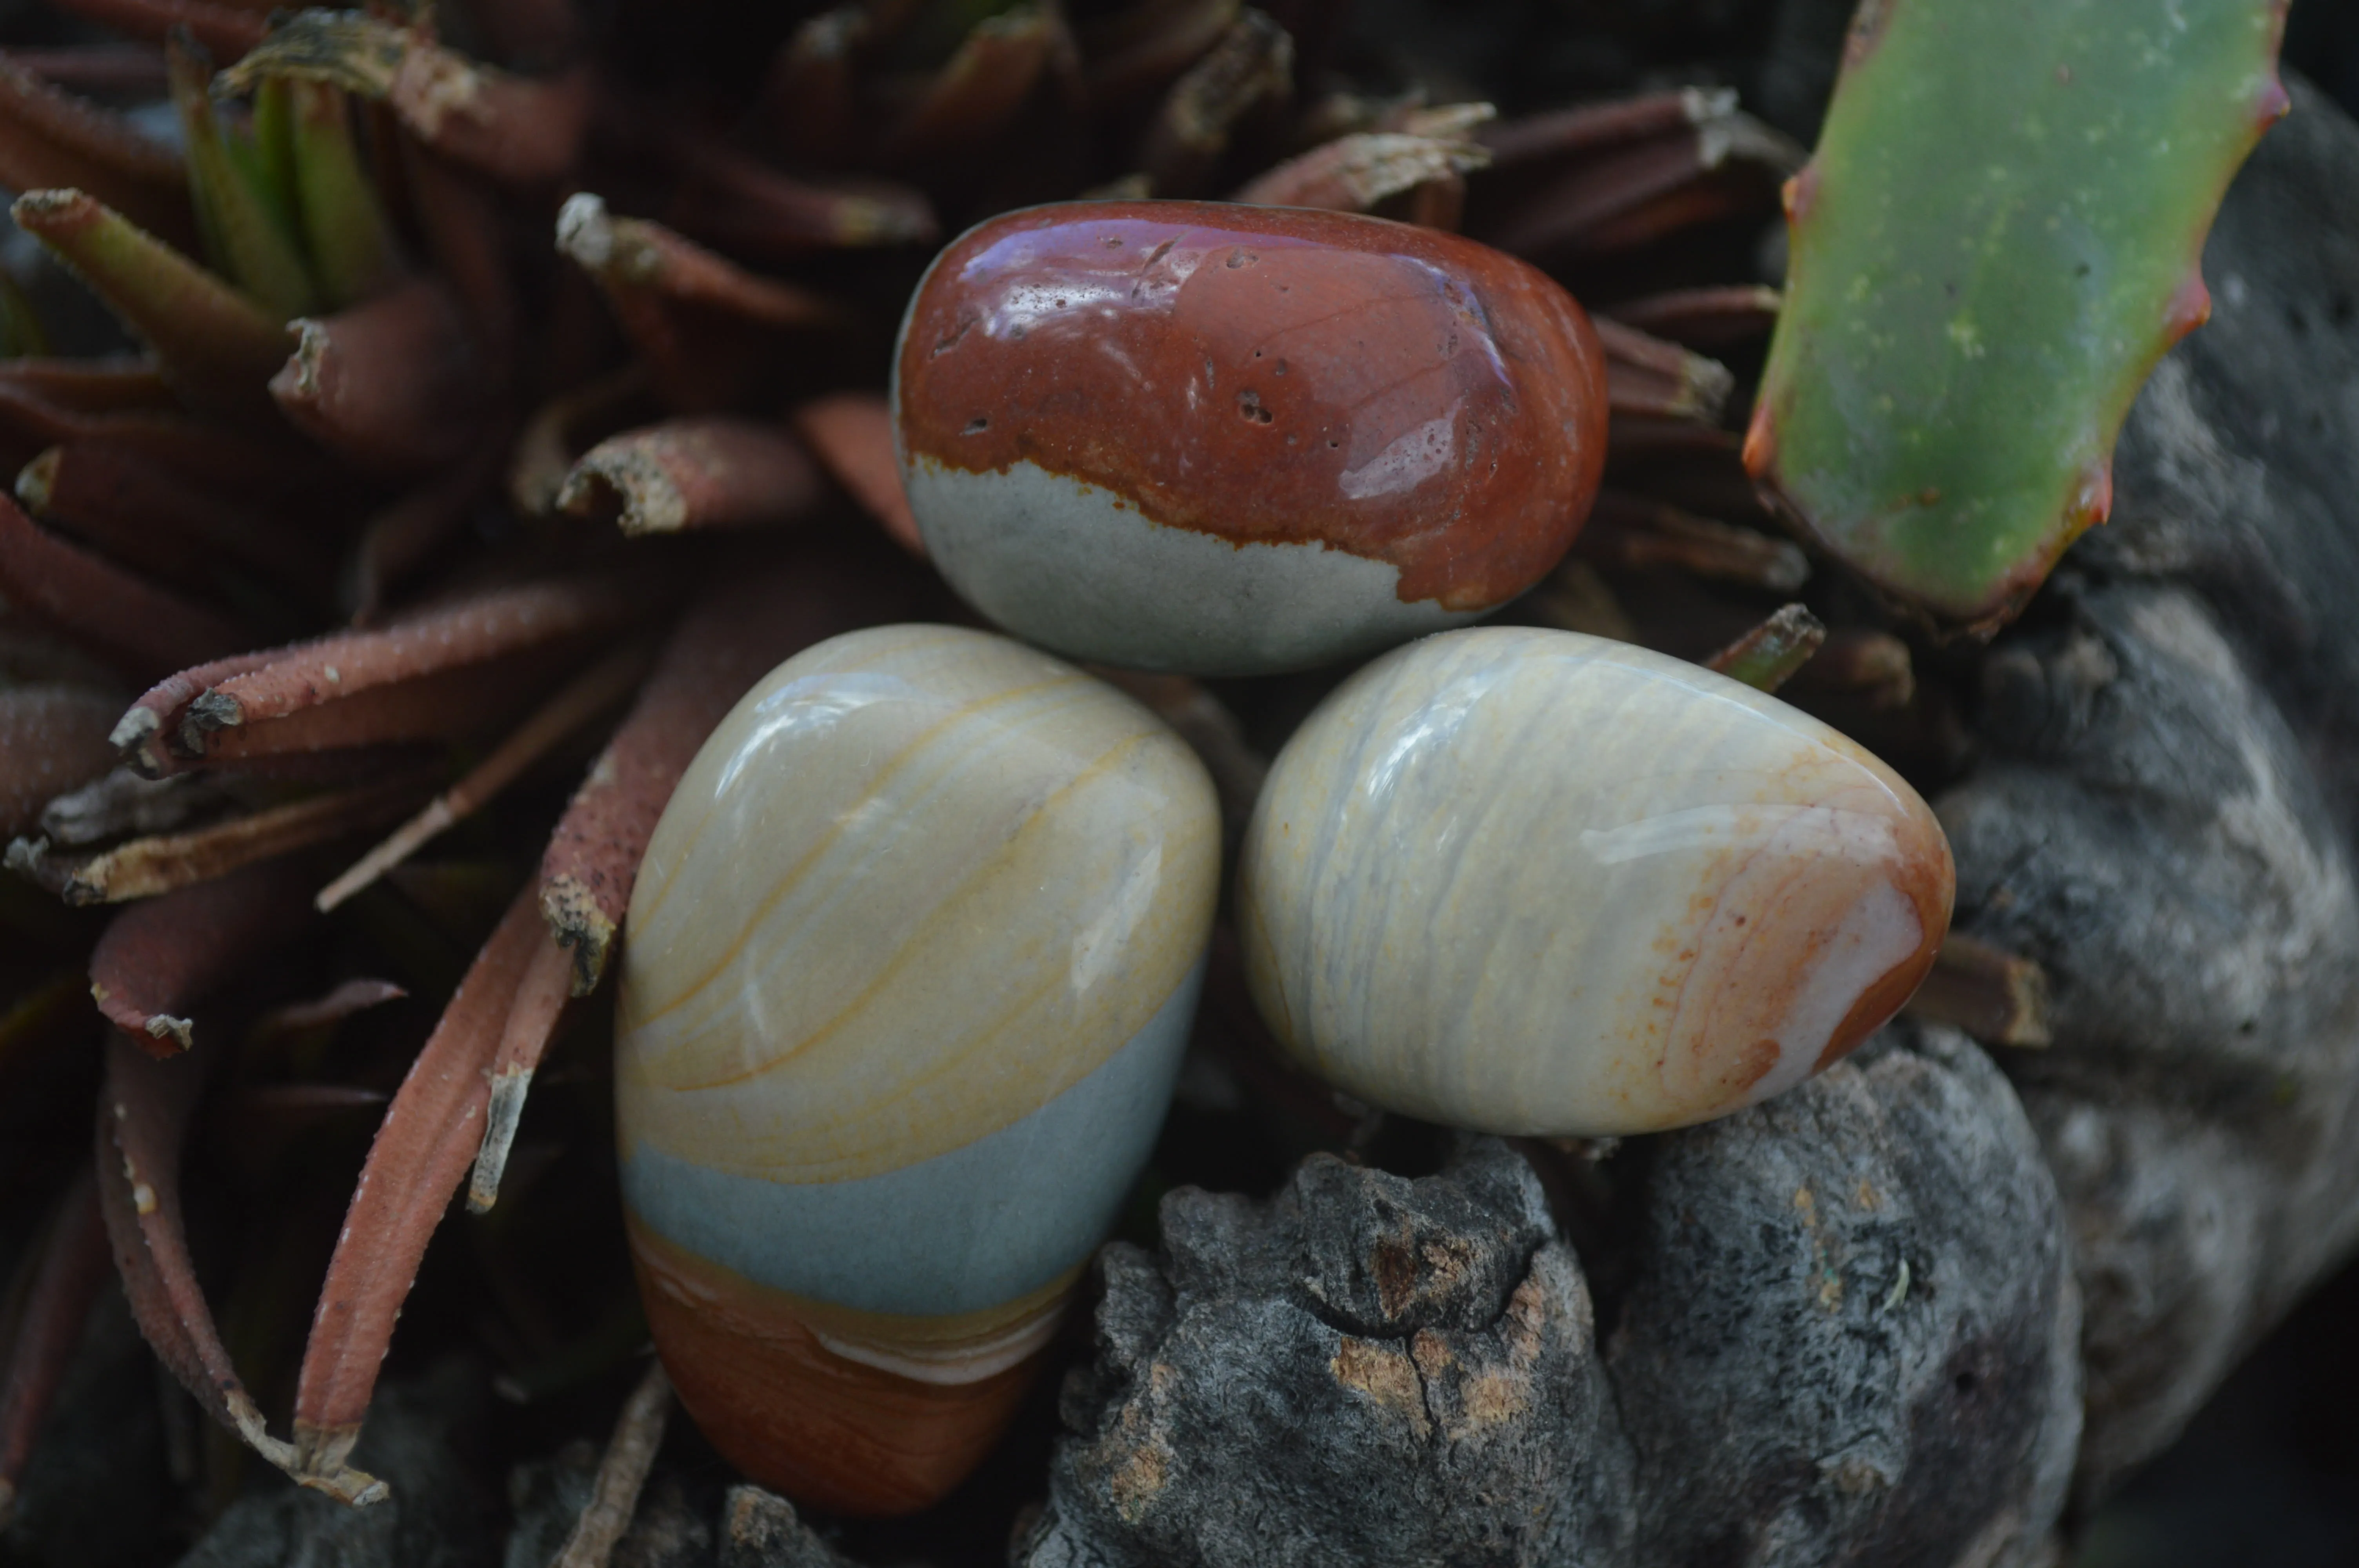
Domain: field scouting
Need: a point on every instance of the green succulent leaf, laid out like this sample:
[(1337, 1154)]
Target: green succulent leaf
[(1997, 237)]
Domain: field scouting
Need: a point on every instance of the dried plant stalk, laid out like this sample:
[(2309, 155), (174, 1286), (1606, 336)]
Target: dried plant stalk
[(1588, 127), (1767, 657), (157, 958), (1252, 65), (630, 1454), (395, 385), (138, 628), (1648, 375), (851, 434), (147, 868), (596, 689), (737, 631), (541, 999), (51, 139), (143, 1118), (422, 1152), (707, 471), (1874, 667), (1999, 998), (72, 1269), (1626, 532), (1354, 173), (517, 129)]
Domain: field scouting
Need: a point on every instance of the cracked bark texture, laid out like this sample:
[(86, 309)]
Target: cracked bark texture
[(1374, 1369), (2166, 813), (1852, 1334), (1365, 1369)]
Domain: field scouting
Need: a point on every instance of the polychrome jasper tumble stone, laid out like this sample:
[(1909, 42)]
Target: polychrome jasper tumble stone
[(912, 958), (1229, 440), (1535, 882)]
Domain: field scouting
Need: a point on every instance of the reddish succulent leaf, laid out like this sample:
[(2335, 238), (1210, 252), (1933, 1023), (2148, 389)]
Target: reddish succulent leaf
[(52, 739), (810, 95), (1135, 53), (685, 309), (1704, 318), (735, 632), (399, 538), (347, 998), (598, 688), (147, 868), (142, 733), (162, 521), (227, 30), (127, 71), (207, 453), (568, 425), (464, 218), (1874, 667), (729, 199), (143, 1122), (158, 956), (715, 470), (422, 1149), (66, 1279), (978, 93), (1589, 205), (51, 139), (471, 630), (852, 432), (395, 385), (446, 705), (140, 629), (90, 386)]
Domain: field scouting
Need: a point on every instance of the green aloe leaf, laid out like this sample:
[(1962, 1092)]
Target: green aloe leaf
[(247, 223), (1997, 237)]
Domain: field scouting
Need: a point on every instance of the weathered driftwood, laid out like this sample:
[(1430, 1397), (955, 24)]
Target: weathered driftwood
[(2165, 819), (1850, 1337)]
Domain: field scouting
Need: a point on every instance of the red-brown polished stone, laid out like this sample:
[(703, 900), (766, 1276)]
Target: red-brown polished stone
[(1271, 375)]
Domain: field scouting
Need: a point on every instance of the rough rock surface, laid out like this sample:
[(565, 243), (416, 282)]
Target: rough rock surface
[(1365, 1369), (2166, 813), (1851, 1335)]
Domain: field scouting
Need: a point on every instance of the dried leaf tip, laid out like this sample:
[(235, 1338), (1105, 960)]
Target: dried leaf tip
[(1767, 657)]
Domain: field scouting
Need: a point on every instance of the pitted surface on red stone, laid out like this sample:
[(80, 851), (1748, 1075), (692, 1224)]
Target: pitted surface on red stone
[(1271, 375)]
